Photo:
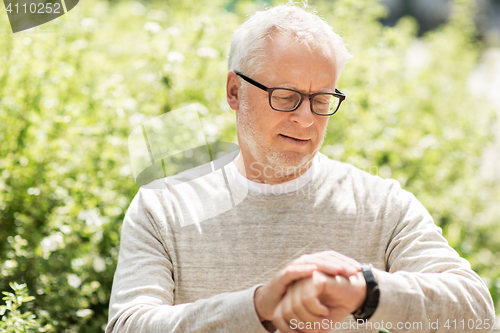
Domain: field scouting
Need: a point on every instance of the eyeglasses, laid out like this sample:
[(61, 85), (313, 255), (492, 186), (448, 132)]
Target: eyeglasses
[(288, 100)]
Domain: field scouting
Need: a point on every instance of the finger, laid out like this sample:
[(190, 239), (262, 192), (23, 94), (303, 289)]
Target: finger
[(299, 310), (293, 310), (281, 323), (319, 280), (284, 327), (290, 274), (335, 283), (357, 279), (273, 292), (337, 316), (335, 268), (342, 280), (331, 263), (341, 295), (340, 256), (313, 304), (293, 273), (341, 259), (293, 302)]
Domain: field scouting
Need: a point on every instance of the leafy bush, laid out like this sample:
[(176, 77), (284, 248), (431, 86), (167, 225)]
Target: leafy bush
[(69, 99), (13, 319)]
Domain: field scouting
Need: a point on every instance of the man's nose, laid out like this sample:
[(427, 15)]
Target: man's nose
[(303, 114)]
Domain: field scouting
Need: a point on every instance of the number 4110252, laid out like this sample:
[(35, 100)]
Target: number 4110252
[(470, 324), (40, 8)]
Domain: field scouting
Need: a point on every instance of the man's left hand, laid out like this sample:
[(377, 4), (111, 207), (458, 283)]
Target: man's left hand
[(306, 299)]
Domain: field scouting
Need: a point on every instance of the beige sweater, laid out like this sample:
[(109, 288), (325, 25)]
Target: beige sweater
[(192, 254)]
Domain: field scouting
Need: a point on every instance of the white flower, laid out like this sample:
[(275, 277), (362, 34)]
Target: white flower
[(91, 217), (175, 56), (207, 52), (152, 27), (52, 242), (99, 264), (84, 312), (74, 280)]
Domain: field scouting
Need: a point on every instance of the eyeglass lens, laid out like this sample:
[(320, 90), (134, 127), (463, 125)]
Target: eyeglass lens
[(287, 100)]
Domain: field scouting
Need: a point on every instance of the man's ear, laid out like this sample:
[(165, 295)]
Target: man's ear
[(233, 90)]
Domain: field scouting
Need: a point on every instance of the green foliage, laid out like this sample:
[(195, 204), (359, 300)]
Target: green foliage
[(70, 98), (13, 319), (68, 101)]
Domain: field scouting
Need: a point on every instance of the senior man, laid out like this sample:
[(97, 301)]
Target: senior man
[(289, 255)]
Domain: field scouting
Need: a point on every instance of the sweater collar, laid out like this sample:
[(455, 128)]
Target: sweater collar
[(283, 188)]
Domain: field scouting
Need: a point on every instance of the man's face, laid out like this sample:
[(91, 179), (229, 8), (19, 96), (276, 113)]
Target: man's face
[(265, 135)]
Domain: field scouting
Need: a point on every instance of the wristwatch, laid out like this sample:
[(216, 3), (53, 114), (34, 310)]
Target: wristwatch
[(372, 294)]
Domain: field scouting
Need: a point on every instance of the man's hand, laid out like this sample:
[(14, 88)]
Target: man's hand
[(311, 300), (344, 296), (267, 297)]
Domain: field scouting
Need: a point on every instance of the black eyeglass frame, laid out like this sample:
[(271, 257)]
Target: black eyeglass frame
[(270, 90)]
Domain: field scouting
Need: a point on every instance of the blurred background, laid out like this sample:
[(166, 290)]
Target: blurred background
[(430, 14), (423, 98)]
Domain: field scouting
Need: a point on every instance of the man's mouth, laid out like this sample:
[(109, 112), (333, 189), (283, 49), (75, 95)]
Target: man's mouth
[(291, 137)]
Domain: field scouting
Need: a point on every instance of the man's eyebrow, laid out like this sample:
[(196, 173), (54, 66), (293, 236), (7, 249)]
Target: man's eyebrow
[(293, 87)]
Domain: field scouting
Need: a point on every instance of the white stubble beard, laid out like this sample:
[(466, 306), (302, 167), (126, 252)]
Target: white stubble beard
[(279, 162)]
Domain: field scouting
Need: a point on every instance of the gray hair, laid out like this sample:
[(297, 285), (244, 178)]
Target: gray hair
[(247, 53)]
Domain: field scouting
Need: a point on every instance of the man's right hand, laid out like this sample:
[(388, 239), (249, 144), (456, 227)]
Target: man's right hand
[(267, 297)]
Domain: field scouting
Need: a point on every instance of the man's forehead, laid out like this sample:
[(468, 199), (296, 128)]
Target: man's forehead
[(286, 41), (286, 53)]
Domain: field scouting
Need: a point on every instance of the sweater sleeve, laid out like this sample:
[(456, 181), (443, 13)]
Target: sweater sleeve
[(427, 281), (142, 296)]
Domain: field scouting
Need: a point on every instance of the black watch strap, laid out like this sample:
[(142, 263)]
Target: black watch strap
[(372, 294)]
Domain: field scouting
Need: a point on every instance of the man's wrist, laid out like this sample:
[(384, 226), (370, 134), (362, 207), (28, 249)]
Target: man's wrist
[(362, 281), (260, 306), (268, 324), (372, 294), (256, 300)]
